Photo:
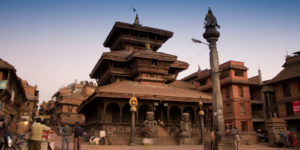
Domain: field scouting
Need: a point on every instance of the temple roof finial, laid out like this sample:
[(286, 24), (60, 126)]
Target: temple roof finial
[(137, 21), (199, 68)]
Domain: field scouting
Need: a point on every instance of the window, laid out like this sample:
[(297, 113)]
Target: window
[(242, 109), (229, 110), (289, 109), (241, 92), (36, 93), (224, 75), (244, 126), (227, 92), (154, 62), (286, 90), (239, 73), (202, 82), (70, 108)]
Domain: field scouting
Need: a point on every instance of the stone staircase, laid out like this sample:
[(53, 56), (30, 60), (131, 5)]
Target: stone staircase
[(163, 138)]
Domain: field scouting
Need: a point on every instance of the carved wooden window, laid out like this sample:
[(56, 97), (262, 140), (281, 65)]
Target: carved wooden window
[(203, 82), (154, 62), (70, 107), (239, 73), (286, 90), (242, 109), (229, 110)]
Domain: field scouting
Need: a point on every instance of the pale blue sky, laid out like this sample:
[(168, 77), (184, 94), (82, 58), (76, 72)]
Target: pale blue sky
[(52, 43)]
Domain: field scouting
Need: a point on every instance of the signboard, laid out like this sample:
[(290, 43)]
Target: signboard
[(45, 116), (3, 84), (296, 106)]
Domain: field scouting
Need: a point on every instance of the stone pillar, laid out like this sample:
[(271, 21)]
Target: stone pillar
[(132, 127), (121, 113), (211, 35), (103, 112)]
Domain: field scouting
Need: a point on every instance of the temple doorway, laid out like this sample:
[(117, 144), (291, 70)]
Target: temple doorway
[(161, 113)]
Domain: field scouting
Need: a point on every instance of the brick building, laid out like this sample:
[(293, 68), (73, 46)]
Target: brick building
[(67, 100), (12, 94), (235, 88), (31, 104), (283, 96)]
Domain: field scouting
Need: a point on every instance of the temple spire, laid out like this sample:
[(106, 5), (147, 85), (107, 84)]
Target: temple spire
[(199, 68), (136, 21)]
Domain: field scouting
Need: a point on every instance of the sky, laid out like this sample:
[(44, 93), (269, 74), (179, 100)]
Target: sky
[(53, 43)]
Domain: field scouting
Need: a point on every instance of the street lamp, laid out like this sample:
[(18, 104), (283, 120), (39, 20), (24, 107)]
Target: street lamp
[(201, 115), (198, 41)]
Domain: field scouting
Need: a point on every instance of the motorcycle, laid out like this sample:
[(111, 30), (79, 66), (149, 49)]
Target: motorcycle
[(16, 144), (6, 143), (260, 138)]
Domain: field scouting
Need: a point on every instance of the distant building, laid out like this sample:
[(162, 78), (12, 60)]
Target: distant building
[(31, 104), (67, 100), (12, 94), (283, 94), (243, 102)]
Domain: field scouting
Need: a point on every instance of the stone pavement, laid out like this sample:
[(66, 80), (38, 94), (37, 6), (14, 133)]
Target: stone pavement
[(160, 147)]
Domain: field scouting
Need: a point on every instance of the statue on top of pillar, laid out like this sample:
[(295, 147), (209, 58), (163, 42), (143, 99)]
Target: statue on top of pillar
[(185, 126), (210, 20), (150, 125)]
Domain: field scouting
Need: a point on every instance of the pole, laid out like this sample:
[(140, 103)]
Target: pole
[(211, 35), (202, 125), (132, 127)]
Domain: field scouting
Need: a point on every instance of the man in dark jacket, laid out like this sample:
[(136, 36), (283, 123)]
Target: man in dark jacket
[(67, 132), (4, 131), (78, 133)]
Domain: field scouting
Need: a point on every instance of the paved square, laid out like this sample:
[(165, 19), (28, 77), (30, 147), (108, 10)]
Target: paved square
[(85, 146)]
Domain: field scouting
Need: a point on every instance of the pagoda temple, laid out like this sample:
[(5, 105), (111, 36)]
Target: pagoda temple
[(134, 67)]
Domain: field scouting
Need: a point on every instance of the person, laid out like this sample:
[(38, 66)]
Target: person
[(78, 133), (102, 136), (36, 134), (59, 129), (260, 136), (236, 138), (109, 136), (66, 133), (4, 131), (212, 139)]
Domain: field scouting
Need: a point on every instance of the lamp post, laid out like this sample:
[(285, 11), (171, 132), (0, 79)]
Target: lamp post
[(201, 115), (133, 103)]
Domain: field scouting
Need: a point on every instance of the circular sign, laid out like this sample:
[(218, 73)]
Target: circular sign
[(133, 101)]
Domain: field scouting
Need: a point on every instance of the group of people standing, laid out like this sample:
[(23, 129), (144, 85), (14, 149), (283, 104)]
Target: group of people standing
[(216, 138), (67, 132)]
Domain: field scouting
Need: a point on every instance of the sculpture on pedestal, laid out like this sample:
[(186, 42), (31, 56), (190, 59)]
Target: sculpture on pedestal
[(150, 125), (185, 126)]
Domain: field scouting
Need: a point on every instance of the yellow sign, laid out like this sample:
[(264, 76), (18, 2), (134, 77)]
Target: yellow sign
[(133, 101), (45, 116)]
